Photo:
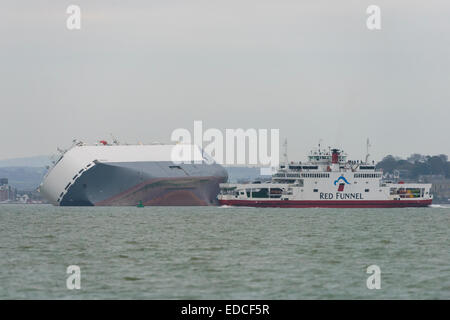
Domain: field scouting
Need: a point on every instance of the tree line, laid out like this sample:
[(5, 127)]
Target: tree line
[(416, 165)]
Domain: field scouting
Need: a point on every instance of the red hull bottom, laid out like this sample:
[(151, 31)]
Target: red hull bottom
[(328, 204)]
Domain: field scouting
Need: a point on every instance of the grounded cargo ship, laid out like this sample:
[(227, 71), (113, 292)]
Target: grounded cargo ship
[(128, 175), (327, 180)]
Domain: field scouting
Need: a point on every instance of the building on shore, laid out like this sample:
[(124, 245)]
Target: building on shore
[(440, 188), (7, 192)]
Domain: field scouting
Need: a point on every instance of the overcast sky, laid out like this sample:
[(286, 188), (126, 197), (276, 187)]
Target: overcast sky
[(140, 69)]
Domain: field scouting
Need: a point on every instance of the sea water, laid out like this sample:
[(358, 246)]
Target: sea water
[(223, 252)]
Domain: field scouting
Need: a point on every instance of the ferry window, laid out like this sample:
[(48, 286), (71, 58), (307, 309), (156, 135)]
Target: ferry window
[(367, 190), (316, 190)]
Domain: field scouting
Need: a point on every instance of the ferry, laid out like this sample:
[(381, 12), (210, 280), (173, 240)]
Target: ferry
[(327, 180)]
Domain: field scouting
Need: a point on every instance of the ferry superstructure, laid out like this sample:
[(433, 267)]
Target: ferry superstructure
[(127, 175), (329, 180)]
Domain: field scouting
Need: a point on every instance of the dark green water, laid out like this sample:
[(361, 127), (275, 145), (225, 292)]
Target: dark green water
[(223, 253)]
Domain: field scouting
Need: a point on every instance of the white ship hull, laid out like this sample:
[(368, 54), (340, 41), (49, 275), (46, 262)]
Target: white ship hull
[(126, 175)]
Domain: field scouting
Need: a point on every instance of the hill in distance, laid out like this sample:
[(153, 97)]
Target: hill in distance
[(37, 161)]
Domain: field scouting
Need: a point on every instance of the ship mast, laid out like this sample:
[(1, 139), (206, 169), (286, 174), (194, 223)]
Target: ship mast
[(285, 154), (368, 145)]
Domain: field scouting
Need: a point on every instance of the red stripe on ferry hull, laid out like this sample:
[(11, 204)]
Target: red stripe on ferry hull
[(328, 204)]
